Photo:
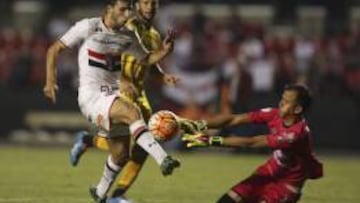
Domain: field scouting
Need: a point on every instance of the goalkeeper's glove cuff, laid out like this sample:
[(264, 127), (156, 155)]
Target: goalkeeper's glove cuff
[(216, 141)]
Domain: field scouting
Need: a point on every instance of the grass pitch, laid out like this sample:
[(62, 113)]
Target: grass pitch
[(41, 175)]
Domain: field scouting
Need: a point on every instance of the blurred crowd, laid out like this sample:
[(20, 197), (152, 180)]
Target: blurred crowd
[(221, 63)]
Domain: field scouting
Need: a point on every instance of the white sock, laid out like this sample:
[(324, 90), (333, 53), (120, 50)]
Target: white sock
[(146, 140), (111, 170)]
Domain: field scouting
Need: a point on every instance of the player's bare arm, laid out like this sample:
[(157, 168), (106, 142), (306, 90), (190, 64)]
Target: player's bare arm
[(51, 87), (228, 120), (259, 141), (222, 120), (155, 56)]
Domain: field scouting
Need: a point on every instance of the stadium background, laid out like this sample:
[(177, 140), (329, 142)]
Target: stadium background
[(231, 55)]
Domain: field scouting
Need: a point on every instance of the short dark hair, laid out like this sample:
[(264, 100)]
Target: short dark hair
[(304, 98)]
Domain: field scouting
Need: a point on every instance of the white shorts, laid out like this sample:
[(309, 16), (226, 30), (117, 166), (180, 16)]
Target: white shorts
[(95, 103)]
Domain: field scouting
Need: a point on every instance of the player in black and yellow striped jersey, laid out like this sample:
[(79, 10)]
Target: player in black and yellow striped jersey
[(132, 89)]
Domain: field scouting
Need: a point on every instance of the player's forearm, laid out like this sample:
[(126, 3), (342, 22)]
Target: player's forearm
[(51, 67), (219, 121), (259, 141), (155, 57), (228, 120), (51, 58)]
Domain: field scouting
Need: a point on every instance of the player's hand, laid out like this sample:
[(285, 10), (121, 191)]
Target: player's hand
[(171, 80), (168, 43), (191, 126), (201, 140), (50, 91), (196, 140)]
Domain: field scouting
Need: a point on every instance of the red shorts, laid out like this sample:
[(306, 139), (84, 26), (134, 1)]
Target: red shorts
[(258, 188)]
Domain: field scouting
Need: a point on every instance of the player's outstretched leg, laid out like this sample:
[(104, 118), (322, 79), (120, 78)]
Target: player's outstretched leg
[(125, 112)]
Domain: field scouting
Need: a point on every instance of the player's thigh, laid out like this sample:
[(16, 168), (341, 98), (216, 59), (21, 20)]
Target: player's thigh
[(138, 154), (96, 105), (123, 111), (119, 148)]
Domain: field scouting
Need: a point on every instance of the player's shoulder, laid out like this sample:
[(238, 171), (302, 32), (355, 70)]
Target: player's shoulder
[(132, 24), (90, 23), (91, 20), (154, 31), (94, 22)]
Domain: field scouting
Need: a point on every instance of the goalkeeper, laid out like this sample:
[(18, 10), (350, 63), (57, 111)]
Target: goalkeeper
[(283, 176)]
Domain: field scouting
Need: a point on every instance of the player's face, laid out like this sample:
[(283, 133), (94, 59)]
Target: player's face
[(119, 12), (288, 104), (147, 8)]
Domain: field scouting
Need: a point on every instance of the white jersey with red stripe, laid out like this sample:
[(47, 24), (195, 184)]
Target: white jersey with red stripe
[(99, 64), (100, 52)]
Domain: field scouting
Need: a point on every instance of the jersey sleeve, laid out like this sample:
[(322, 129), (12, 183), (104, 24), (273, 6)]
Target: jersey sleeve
[(76, 34), (263, 115)]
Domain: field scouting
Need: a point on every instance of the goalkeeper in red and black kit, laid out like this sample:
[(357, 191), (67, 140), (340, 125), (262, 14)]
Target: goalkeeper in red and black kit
[(282, 177)]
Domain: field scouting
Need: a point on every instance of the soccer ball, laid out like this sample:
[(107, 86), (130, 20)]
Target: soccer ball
[(163, 125)]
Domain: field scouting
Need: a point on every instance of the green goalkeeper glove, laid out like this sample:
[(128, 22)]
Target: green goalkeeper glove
[(192, 126), (202, 140)]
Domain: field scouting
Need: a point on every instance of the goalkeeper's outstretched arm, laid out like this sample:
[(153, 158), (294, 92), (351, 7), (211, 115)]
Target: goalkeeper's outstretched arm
[(193, 126), (203, 140), (228, 120), (259, 141)]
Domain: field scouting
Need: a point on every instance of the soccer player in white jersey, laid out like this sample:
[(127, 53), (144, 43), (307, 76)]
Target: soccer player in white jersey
[(102, 40)]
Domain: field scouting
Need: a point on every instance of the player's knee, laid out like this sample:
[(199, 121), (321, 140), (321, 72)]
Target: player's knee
[(226, 199)]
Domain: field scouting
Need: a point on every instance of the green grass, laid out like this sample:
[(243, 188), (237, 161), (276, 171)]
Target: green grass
[(30, 175)]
